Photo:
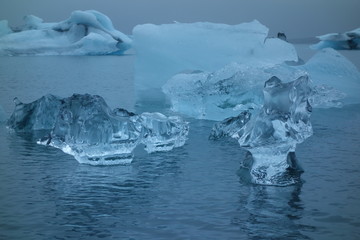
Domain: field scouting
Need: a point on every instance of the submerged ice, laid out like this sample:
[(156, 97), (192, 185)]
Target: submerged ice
[(85, 127), (83, 33), (272, 133)]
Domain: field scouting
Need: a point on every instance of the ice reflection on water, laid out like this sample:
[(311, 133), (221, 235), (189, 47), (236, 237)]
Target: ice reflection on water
[(272, 213)]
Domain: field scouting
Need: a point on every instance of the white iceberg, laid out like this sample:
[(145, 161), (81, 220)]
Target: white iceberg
[(85, 127), (340, 41), (84, 33), (4, 28), (165, 50)]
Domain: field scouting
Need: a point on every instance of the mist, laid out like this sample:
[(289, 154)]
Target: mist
[(298, 19)]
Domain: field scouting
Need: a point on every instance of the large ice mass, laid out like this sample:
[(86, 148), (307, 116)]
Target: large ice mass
[(213, 71), (347, 40), (223, 93), (83, 33), (272, 133), (85, 127), (336, 80), (165, 50), (237, 87), (4, 28)]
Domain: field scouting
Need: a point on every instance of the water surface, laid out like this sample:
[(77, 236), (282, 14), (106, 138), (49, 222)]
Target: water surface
[(193, 192)]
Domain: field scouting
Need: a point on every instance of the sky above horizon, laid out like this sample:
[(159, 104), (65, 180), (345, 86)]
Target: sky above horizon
[(296, 18)]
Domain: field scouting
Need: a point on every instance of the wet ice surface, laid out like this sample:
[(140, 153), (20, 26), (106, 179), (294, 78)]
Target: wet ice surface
[(237, 87), (272, 133), (84, 126), (83, 33), (192, 191)]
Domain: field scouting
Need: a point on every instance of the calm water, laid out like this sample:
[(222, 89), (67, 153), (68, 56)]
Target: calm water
[(193, 192)]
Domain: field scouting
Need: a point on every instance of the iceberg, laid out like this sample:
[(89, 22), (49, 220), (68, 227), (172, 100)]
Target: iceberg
[(84, 126), (340, 41), (223, 93), (336, 79), (237, 87), (272, 133), (83, 33), (4, 28), (165, 50)]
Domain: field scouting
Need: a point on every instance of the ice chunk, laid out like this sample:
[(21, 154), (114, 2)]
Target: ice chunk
[(165, 50), (272, 133), (92, 19), (84, 33), (238, 87), (4, 28), (33, 23), (163, 133), (38, 115), (347, 40), (337, 80), (85, 127), (223, 93), (230, 127)]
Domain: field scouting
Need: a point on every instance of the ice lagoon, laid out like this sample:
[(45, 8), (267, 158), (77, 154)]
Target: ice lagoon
[(198, 190)]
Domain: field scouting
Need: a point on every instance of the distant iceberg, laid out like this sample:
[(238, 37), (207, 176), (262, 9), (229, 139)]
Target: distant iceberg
[(165, 50), (340, 41), (85, 127), (83, 33)]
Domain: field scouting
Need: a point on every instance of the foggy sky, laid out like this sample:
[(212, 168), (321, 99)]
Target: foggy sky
[(297, 18)]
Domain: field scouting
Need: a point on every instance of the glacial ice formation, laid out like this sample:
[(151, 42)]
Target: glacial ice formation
[(237, 87), (336, 79), (165, 50), (84, 33), (4, 28), (272, 133), (223, 93), (85, 127), (340, 41)]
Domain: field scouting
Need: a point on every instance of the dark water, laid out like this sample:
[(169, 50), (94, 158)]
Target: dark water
[(193, 192)]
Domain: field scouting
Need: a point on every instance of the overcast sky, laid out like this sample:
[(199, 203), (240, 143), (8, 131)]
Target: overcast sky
[(297, 18)]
